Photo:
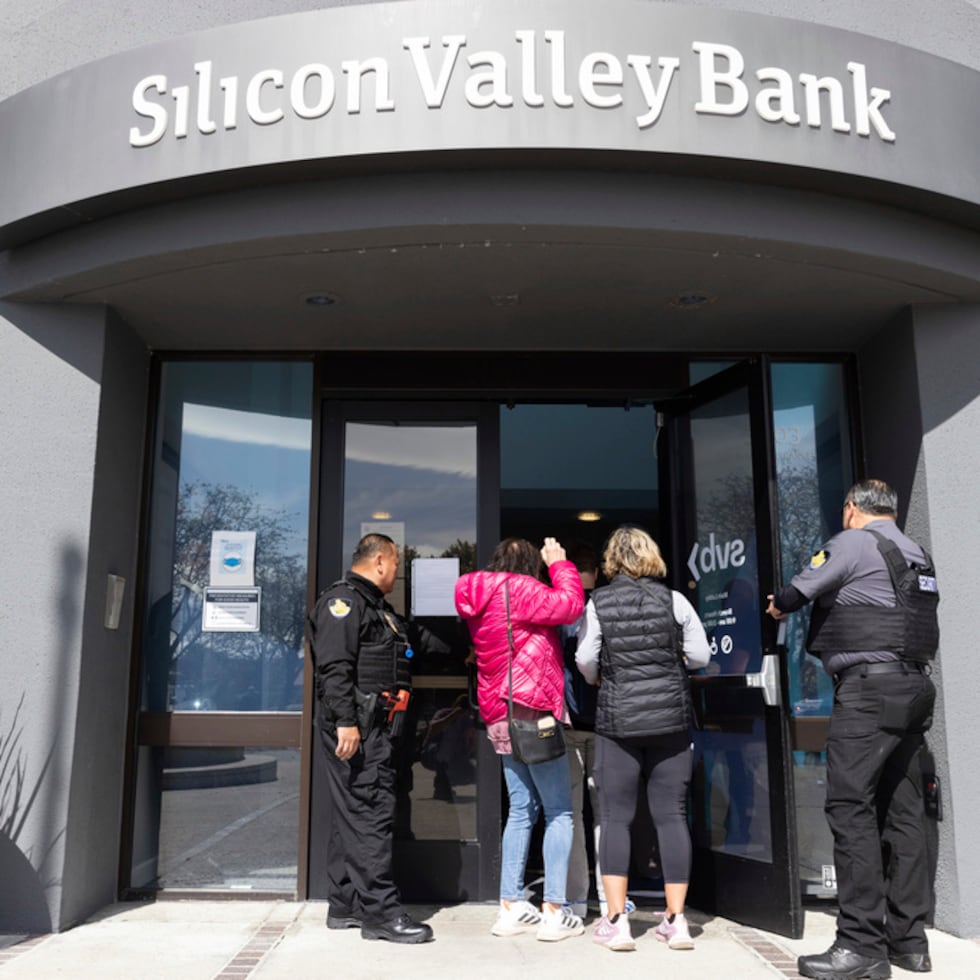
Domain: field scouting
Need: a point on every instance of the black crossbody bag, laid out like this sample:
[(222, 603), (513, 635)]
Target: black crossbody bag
[(533, 740)]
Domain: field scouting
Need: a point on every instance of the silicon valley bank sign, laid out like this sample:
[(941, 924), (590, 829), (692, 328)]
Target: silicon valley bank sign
[(536, 72), (542, 77)]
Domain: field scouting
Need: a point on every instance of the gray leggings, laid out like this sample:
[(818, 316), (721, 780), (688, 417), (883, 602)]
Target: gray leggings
[(664, 763)]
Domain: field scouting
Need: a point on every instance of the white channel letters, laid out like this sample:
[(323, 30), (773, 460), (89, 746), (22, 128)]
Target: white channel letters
[(486, 79)]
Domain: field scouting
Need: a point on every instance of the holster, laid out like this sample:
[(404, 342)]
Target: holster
[(368, 712)]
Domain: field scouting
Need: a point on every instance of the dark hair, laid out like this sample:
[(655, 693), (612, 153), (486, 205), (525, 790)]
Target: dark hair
[(370, 545), (516, 555), (873, 497)]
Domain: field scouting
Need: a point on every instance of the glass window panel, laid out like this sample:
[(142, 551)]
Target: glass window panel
[(229, 819), (232, 454), (730, 790), (416, 482), (722, 558), (813, 472)]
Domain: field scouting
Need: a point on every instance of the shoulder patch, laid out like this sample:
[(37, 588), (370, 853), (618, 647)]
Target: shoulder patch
[(339, 608), (820, 558)]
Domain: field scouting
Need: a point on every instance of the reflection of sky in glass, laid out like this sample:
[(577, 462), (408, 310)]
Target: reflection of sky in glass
[(266, 455), (427, 483), (439, 448)]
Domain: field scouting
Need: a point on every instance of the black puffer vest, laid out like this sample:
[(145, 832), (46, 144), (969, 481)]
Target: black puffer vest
[(644, 688)]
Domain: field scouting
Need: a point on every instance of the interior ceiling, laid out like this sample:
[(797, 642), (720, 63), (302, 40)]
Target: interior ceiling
[(706, 267)]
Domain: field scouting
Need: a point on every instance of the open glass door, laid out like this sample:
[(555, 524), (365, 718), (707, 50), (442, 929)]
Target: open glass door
[(716, 479)]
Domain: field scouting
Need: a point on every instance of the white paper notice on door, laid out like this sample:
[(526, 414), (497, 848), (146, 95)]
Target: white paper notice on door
[(232, 559), (433, 584)]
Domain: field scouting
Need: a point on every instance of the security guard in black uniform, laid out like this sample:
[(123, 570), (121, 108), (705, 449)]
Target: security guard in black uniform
[(361, 654), (874, 626)]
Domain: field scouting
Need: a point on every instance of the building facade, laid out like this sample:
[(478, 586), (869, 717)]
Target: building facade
[(273, 273)]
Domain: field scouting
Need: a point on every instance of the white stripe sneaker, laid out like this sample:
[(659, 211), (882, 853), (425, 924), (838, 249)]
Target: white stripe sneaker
[(559, 925), (520, 917)]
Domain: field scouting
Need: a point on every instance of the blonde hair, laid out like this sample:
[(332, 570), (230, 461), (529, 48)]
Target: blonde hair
[(631, 551)]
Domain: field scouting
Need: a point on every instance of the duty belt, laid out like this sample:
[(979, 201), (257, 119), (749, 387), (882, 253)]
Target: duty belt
[(884, 667)]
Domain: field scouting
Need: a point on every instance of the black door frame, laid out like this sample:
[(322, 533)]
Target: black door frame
[(749, 891), (419, 865)]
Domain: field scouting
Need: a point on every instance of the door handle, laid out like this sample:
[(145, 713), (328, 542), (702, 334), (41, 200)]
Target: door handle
[(767, 679)]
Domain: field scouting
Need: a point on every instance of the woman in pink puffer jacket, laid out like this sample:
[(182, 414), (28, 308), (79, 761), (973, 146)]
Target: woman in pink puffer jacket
[(535, 610)]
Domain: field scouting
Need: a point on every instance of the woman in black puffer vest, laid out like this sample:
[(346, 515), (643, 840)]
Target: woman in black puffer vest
[(638, 641)]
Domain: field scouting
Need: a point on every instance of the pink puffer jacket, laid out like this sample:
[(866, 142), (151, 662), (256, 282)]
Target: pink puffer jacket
[(535, 610)]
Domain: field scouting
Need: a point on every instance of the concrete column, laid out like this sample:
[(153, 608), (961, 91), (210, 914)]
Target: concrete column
[(920, 380), (72, 405)]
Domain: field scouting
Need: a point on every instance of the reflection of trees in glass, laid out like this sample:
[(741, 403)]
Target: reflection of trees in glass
[(730, 512), (465, 551), (235, 671), (800, 532)]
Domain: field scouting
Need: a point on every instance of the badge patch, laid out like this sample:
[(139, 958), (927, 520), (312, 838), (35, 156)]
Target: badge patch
[(820, 558), (339, 608)]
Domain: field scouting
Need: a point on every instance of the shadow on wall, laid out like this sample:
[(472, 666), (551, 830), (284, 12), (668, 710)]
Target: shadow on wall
[(23, 906), (70, 332)]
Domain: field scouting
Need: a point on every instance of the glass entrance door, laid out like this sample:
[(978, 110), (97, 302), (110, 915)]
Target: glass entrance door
[(416, 472), (716, 475)]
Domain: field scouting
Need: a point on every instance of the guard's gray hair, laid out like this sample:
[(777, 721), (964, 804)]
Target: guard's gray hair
[(873, 497)]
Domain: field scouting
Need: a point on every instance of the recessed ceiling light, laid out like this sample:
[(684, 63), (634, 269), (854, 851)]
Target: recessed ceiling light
[(589, 516), (691, 301), (320, 300), (381, 515)]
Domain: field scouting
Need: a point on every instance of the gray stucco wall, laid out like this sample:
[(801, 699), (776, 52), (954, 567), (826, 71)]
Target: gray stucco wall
[(42, 38), (920, 394), (64, 373), (947, 352)]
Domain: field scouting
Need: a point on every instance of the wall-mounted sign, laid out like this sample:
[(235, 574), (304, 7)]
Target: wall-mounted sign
[(439, 75), (534, 71)]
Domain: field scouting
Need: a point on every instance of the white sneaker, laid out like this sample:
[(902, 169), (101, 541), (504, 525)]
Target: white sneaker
[(614, 935), (520, 917), (675, 934), (559, 925)]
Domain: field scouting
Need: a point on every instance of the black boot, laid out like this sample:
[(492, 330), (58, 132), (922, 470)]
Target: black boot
[(401, 929), (843, 964), (913, 962)]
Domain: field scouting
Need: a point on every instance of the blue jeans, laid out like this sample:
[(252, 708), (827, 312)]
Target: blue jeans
[(529, 790)]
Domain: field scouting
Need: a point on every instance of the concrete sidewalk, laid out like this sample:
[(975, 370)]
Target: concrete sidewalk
[(204, 940)]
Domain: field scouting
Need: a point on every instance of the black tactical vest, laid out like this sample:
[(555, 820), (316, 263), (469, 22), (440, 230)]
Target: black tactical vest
[(381, 661), (909, 629)]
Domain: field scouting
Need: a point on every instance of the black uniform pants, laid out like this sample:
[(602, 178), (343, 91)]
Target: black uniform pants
[(875, 810), (359, 852)]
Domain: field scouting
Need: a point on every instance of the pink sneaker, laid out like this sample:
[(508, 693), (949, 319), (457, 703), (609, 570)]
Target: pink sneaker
[(614, 935), (675, 934)]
